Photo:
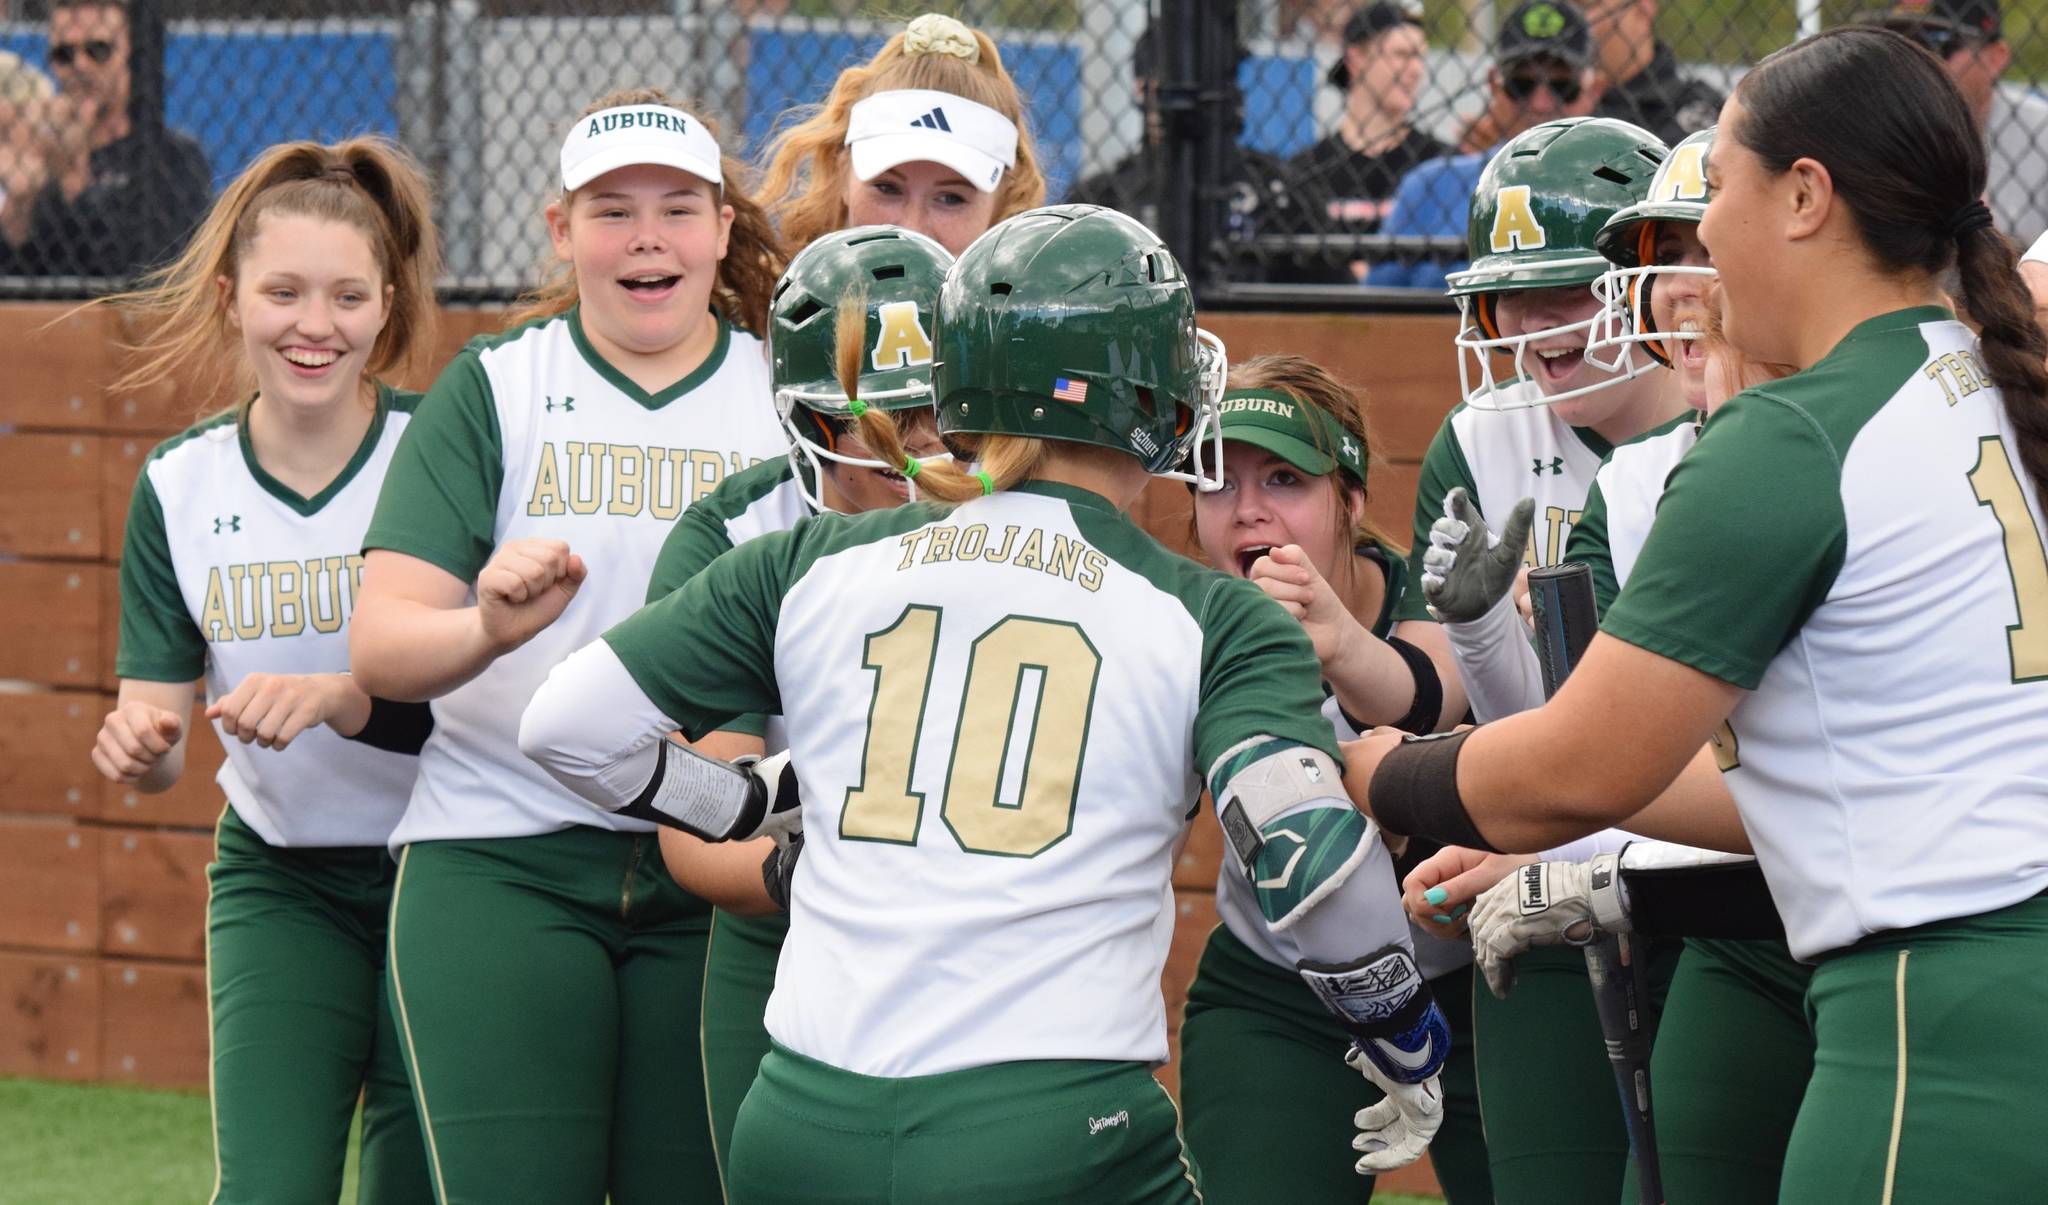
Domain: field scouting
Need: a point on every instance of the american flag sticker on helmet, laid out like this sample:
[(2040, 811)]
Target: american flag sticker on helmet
[(1066, 389)]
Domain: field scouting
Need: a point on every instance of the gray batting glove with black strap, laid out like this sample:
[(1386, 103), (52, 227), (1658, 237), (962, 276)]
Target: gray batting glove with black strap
[(1465, 571)]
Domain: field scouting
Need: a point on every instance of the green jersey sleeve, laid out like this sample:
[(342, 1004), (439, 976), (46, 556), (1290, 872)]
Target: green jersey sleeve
[(1749, 536), (1588, 543), (159, 641), (705, 653), (1443, 470), (696, 540), (440, 497), (1260, 677)]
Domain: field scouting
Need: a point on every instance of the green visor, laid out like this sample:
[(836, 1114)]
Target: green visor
[(1305, 436)]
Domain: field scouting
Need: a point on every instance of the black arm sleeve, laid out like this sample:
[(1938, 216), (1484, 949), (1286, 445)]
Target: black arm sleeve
[(1726, 900), (397, 727)]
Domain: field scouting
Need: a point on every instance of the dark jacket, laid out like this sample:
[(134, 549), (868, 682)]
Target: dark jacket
[(146, 196)]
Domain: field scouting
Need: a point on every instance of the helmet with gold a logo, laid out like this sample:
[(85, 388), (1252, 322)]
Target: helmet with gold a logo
[(1678, 196), (1536, 214)]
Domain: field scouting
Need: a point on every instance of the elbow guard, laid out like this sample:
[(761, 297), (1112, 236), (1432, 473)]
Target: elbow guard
[(1294, 832)]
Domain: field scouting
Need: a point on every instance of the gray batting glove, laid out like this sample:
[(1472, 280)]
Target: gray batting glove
[(1464, 570)]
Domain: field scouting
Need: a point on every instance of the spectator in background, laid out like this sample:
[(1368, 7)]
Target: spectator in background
[(92, 189), (1345, 183), (1640, 74), (1134, 183), (1968, 37), (1542, 69)]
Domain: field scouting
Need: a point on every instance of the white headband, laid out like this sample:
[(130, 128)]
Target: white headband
[(914, 125), (631, 134)]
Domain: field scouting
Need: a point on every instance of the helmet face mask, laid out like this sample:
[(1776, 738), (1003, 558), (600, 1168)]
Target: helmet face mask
[(897, 273), (1074, 323), (1677, 195), (1536, 211)]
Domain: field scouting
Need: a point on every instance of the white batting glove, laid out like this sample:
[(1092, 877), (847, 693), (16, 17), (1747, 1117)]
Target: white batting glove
[(784, 817), (1465, 571), (1545, 904), (1395, 1132)]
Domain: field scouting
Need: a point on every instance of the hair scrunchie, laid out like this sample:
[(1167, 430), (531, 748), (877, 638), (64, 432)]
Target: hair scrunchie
[(937, 33)]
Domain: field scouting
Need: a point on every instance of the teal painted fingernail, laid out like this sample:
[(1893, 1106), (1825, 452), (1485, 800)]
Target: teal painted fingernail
[(1460, 910), (1441, 919), (1435, 895)]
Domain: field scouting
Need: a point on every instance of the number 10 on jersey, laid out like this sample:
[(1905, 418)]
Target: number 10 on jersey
[(1015, 766)]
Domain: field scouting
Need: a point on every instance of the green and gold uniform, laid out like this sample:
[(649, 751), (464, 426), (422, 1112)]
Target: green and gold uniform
[(227, 572)]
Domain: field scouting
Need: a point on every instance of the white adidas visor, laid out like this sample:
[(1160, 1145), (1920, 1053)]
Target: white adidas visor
[(890, 129), (610, 139)]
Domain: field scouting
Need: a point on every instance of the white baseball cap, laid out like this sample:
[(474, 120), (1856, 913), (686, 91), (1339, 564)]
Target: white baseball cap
[(916, 125), (610, 139)]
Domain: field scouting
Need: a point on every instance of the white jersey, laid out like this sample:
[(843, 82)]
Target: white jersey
[(998, 712), (226, 571), (531, 434), (1858, 547)]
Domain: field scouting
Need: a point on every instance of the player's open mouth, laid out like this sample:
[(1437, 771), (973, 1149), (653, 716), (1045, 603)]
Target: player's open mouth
[(310, 361), (1692, 353), (1555, 365), (1247, 557), (652, 286)]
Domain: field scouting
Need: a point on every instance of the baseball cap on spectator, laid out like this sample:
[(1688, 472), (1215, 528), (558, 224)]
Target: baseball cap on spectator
[(1544, 29), (1940, 24), (1366, 24)]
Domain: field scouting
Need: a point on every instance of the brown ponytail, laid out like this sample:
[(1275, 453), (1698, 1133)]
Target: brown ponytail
[(753, 261), (2015, 351), (366, 183), (1912, 172)]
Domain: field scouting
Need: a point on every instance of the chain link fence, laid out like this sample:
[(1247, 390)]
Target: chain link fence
[(1295, 152)]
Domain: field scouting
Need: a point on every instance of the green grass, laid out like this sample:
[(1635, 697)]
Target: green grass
[(91, 1144)]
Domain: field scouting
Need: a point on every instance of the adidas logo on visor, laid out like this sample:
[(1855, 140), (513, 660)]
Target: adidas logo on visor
[(934, 120)]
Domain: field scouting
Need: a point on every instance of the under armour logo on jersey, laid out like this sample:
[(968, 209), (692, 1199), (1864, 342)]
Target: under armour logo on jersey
[(934, 120), (1556, 466), (567, 403), (231, 523)]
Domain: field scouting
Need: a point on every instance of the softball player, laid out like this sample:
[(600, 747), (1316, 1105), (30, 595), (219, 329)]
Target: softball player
[(1290, 516), (1886, 583), (1529, 294), (240, 566), (997, 710), (928, 135), (893, 277), (565, 447)]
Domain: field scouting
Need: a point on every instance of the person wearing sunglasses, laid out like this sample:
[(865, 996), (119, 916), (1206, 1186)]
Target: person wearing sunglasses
[(1542, 70), (1643, 84), (87, 187), (1968, 37)]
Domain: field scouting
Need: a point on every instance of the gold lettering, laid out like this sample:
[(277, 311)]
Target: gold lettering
[(627, 463), (1092, 566), (547, 486), (1002, 554), (710, 470), (213, 619), (287, 599), (246, 604), (1031, 555), (972, 537), (1066, 557), (910, 543), (586, 487), (1515, 227), (902, 341), (942, 544), (1933, 373), (326, 619), (665, 492)]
